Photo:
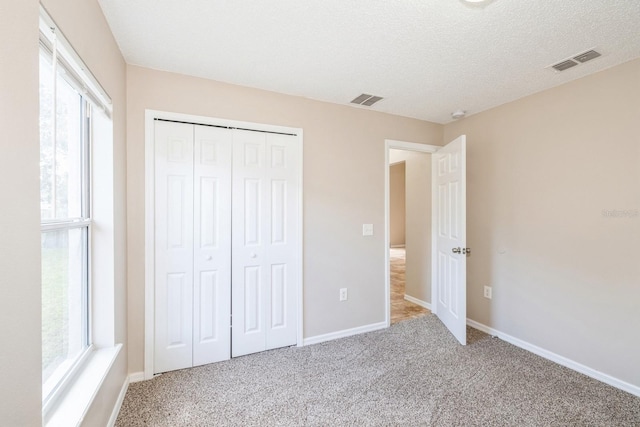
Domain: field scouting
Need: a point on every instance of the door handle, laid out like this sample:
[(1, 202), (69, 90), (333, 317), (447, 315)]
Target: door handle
[(253, 255), (456, 250), (466, 251)]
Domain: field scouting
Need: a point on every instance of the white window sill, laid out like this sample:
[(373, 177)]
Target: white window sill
[(72, 407)]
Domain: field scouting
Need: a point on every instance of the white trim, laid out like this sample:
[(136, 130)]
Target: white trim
[(55, 390), (106, 356), (434, 244), (409, 146), (345, 333), (149, 243), (417, 301), (300, 260), (74, 406), (387, 240), (118, 405), (68, 224), (560, 360), (136, 377), (482, 327), (48, 28), (149, 237), (397, 246)]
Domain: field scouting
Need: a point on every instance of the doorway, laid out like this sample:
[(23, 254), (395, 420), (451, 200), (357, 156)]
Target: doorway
[(408, 230), (448, 263)]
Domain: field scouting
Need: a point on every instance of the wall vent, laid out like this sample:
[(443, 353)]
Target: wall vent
[(576, 60), (366, 100)]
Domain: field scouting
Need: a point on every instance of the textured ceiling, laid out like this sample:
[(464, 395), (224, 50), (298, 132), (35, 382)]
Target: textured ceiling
[(427, 58)]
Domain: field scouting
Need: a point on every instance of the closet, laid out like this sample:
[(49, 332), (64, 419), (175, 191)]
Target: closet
[(226, 243)]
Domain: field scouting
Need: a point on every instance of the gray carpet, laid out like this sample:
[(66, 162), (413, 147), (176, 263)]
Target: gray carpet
[(412, 374)]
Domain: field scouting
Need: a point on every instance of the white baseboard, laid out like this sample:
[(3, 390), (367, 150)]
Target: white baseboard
[(417, 301), (344, 333), (561, 360), (136, 377), (118, 405), (482, 327)]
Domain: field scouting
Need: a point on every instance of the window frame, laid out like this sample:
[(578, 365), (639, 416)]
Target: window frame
[(76, 390), (64, 374)]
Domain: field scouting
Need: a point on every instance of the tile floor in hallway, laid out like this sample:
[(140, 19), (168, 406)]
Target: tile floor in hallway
[(401, 309)]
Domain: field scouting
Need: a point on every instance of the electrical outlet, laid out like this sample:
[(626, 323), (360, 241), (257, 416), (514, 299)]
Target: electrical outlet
[(367, 229), (343, 294), (487, 292)]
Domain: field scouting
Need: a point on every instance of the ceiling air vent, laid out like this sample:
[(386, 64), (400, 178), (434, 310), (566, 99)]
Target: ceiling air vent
[(576, 60), (366, 100), (565, 65), (587, 56)]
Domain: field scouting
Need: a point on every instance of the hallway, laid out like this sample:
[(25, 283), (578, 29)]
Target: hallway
[(401, 309)]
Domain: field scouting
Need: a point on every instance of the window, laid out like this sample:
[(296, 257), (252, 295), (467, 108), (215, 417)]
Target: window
[(65, 221), (77, 229), (74, 122)]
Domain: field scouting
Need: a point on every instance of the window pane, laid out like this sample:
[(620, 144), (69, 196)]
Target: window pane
[(63, 300), (46, 138), (60, 158)]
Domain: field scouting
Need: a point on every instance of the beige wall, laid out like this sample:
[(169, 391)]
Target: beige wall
[(418, 269), (540, 172), (85, 27), (341, 192), (418, 222), (397, 204), (20, 357)]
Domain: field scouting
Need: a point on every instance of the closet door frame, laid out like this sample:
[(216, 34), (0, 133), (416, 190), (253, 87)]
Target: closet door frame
[(149, 229)]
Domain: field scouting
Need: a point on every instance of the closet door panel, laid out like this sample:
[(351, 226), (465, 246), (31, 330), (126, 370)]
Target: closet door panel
[(173, 246), (212, 245), (281, 242), (249, 279)]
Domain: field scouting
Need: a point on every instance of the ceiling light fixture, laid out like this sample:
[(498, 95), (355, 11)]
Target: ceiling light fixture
[(476, 3), (458, 114)]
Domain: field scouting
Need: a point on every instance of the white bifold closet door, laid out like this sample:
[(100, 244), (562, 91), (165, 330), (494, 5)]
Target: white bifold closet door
[(208, 264), (265, 235), (193, 245), (212, 244)]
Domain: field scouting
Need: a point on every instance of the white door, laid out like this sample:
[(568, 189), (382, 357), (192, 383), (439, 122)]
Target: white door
[(193, 245), (264, 241), (282, 240), (201, 249), (212, 245), (449, 211), (173, 246)]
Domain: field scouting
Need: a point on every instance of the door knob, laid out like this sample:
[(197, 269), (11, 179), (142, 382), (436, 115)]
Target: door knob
[(456, 250), (253, 255), (209, 258), (466, 251)]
